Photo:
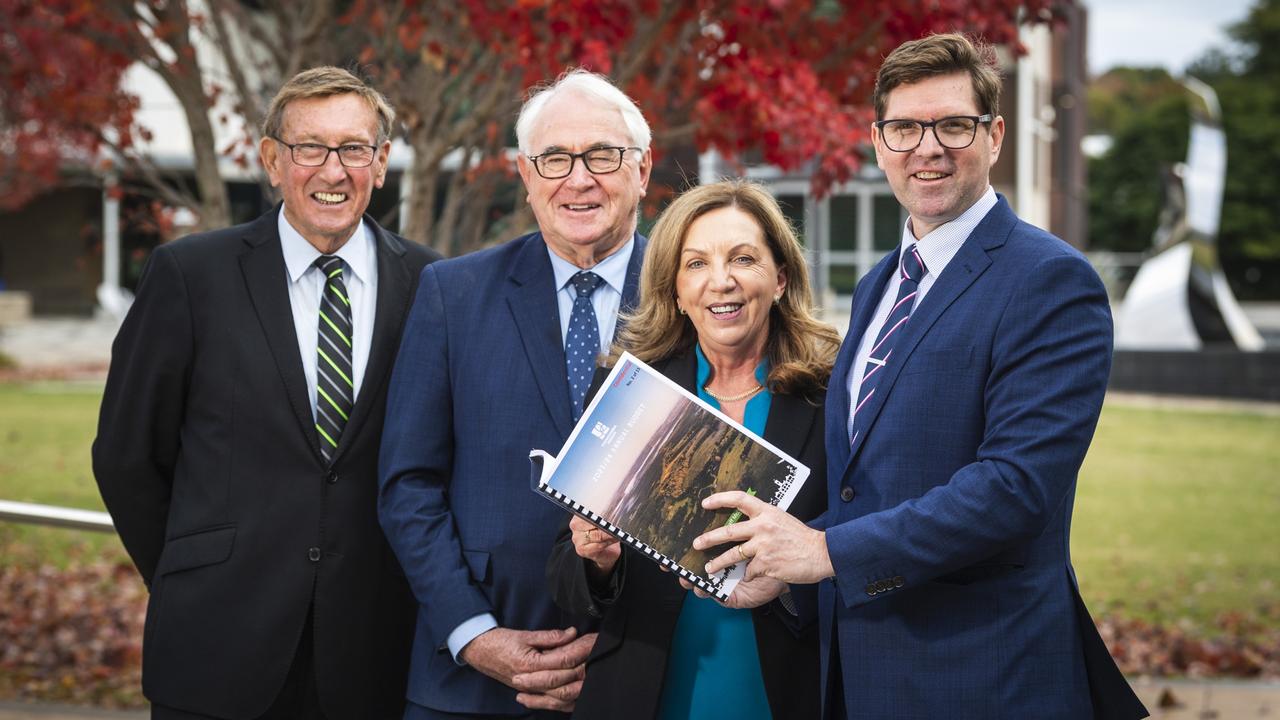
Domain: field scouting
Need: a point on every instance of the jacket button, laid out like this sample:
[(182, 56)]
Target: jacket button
[(313, 554), (898, 581), (332, 477), (846, 493), (871, 589)]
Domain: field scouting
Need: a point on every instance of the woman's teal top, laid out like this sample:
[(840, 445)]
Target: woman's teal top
[(713, 668)]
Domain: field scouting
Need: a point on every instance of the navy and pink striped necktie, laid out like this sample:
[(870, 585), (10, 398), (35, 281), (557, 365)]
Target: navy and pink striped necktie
[(912, 270)]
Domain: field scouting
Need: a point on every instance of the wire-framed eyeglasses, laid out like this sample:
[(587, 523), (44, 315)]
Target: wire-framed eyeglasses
[(954, 133), (315, 155), (598, 161)]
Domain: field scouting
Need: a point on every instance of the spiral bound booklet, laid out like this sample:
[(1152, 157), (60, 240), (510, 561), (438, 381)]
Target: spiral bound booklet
[(642, 458)]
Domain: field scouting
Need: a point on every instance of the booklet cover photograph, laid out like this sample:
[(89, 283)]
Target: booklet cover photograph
[(644, 456)]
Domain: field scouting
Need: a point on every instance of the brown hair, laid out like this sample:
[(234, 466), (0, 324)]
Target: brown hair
[(323, 82), (934, 55), (800, 349)]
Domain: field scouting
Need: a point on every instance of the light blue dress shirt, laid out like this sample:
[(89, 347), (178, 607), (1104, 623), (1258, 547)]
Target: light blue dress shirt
[(606, 299)]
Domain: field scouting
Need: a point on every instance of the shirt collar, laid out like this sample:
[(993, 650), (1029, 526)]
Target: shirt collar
[(938, 247), (300, 255), (612, 269), (704, 368)]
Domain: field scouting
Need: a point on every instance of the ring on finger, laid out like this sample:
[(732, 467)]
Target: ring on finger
[(742, 554)]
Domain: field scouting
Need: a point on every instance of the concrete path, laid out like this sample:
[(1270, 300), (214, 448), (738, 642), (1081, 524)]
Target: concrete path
[(60, 342), (1209, 700), (1166, 699)]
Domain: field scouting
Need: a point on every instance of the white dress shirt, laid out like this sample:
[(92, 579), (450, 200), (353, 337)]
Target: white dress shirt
[(306, 288), (936, 250)]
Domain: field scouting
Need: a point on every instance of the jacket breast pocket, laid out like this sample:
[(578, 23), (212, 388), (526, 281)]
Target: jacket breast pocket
[(206, 547), (939, 360)]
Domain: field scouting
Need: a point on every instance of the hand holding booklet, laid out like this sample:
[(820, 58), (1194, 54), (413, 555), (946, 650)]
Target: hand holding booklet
[(642, 458)]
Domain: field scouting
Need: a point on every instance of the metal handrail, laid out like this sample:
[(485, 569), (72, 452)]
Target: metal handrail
[(54, 516)]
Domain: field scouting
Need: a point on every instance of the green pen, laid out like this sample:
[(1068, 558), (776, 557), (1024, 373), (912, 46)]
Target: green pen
[(736, 515)]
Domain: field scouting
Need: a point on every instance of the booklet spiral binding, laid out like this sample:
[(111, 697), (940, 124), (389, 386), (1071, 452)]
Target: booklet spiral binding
[(715, 588)]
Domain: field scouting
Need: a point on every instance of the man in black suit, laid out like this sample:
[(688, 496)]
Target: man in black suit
[(238, 442)]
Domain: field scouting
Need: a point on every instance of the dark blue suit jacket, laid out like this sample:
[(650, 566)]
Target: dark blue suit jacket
[(479, 381), (954, 594)]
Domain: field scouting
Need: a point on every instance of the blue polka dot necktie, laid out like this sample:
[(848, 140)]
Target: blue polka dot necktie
[(582, 344), (912, 271), (335, 392)]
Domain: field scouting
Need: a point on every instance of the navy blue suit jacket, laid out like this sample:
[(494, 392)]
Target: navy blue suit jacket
[(479, 381), (954, 594)]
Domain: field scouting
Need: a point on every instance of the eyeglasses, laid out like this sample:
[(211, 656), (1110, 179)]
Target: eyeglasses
[(598, 160), (954, 133), (314, 155)]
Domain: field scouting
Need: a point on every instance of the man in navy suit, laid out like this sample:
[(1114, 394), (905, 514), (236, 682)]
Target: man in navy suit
[(960, 409), (499, 349)]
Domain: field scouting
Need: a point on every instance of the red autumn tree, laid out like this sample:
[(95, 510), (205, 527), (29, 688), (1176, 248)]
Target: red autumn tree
[(61, 98), (59, 93), (789, 79), (786, 80)]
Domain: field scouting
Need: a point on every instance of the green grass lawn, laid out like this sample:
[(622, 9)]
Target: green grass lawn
[(45, 433), (1177, 514)]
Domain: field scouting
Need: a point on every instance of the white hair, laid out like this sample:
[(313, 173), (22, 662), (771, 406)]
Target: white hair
[(589, 83)]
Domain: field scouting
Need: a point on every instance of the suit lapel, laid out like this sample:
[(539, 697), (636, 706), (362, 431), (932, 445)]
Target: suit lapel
[(969, 263), (631, 287), (789, 423), (393, 301), (264, 273), (531, 295), (865, 299), (681, 369)]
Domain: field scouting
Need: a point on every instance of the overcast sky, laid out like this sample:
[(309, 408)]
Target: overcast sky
[(1170, 33)]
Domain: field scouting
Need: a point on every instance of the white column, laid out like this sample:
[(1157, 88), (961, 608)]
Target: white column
[(110, 296)]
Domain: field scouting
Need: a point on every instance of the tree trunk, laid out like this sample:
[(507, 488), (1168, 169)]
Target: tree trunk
[(418, 223), (215, 204)]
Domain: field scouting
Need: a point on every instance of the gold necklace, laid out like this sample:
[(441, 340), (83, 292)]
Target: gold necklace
[(734, 398)]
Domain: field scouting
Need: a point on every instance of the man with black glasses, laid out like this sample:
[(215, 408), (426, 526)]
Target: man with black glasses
[(496, 359), (238, 442), (960, 409)]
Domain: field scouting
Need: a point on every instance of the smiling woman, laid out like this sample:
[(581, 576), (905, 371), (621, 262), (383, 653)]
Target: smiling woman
[(725, 311)]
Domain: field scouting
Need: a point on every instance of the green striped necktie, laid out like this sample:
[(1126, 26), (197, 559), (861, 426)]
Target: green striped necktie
[(335, 390)]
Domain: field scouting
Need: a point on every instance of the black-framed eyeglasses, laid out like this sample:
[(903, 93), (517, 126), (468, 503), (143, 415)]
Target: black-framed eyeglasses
[(598, 160), (954, 133), (315, 155)]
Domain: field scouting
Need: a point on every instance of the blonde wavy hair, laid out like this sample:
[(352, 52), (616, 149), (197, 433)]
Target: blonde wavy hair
[(801, 350)]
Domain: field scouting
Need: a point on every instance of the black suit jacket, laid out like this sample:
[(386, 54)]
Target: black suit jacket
[(628, 663), (208, 460)]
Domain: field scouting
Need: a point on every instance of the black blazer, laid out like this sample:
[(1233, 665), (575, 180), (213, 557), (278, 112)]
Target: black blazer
[(208, 460), (627, 666)]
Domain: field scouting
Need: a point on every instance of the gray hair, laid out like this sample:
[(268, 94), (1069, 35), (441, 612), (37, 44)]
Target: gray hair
[(327, 81), (589, 83)]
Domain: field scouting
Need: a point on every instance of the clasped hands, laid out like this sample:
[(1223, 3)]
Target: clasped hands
[(546, 667)]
